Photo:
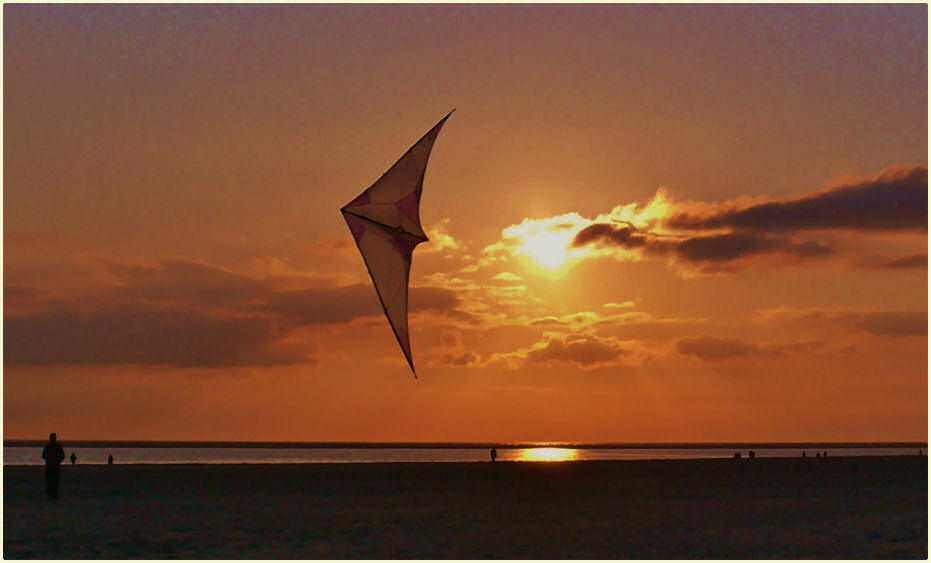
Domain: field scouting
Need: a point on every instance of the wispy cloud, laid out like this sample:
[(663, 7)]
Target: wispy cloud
[(714, 349), (911, 262), (878, 323), (440, 239)]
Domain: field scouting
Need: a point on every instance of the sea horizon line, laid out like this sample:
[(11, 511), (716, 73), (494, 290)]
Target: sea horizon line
[(90, 443)]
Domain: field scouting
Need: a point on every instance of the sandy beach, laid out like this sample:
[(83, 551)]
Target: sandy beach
[(864, 507)]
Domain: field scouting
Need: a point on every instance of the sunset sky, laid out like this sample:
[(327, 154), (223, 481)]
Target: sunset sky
[(648, 223)]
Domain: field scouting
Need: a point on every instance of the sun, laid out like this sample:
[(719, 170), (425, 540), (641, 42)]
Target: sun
[(545, 244), (549, 249)]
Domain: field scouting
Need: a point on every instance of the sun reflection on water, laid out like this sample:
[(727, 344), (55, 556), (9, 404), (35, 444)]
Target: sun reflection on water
[(547, 454)]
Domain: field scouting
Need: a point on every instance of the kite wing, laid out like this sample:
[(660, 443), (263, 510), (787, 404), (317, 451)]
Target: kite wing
[(385, 221)]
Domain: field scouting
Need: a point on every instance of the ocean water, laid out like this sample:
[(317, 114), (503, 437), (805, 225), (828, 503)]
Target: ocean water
[(17, 455)]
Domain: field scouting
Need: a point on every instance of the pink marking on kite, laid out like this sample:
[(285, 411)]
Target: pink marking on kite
[(409, 206), (355, 226), (404, 247), (362, 199)]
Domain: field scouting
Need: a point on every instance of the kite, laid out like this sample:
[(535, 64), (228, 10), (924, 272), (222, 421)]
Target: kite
[(385, 222)]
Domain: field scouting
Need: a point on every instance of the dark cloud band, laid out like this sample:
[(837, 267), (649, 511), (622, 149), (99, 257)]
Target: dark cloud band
[(896, 200), (702, 249), (179, 313)]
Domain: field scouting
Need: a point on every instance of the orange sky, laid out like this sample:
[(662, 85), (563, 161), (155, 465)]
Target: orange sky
[(648, 223)]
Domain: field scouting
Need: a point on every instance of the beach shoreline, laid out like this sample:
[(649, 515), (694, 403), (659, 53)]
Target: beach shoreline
[(853, 507)]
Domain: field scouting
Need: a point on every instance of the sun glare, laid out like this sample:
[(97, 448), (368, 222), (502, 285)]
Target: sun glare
[(548, 248), (546, 244), (547, 454)]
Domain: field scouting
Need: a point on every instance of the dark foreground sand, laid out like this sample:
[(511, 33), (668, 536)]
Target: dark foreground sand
[(873, 507)]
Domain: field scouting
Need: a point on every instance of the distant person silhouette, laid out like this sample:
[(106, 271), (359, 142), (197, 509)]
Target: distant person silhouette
[(53, 454), (494, 454), (74, 458), (110, 459), (825, 454), (817, 454), (803, 453)]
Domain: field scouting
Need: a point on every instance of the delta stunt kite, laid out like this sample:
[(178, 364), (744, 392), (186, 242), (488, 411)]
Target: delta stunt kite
[(385, 222)]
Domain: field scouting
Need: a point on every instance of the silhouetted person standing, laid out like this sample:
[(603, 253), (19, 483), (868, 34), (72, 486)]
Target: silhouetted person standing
[(74, 458), (494, 454), (110, 459), (53, 454)]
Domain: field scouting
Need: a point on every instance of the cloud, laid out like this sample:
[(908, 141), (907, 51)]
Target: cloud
[(616, 322), (19, 292), (343, 304), (624, 236), (708, 237), (624, 305), (577, 320), (488, 301), (914, 261), (159, 337), (178, 280), (182, 313), (440, 239), (179, 274), (453, 351), (911, 262), (507, 277), (894, 200), (465, 359), (546, 241), (175, 280), (328, 248), (451, 339), (549, 321), (320, 306), (22, 299), (706, 252), (878, 323), (643, 326), (465, 317), (713, 348), (733, 246), (585, 351), (890, 323)]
